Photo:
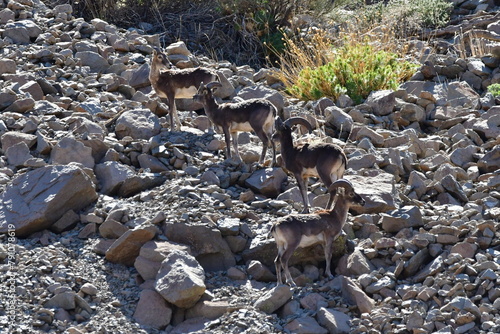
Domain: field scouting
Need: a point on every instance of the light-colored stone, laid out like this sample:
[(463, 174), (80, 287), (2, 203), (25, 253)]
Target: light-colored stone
[(180, 279)]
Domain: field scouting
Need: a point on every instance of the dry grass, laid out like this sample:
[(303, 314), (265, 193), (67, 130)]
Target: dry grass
[(319, 48)]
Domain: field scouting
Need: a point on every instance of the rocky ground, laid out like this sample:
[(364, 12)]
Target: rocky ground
[(113, 224)]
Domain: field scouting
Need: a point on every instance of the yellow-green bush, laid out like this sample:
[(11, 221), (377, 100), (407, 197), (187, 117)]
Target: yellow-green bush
[(356, 70)]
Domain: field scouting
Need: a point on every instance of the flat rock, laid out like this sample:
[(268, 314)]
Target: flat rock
[(126, 248), (37, 199)]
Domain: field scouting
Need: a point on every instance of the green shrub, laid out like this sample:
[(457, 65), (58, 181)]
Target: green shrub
[(357, 69), (494, 89)]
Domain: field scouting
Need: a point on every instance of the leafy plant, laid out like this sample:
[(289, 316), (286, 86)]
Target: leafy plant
[(356, 70), (494, 89)]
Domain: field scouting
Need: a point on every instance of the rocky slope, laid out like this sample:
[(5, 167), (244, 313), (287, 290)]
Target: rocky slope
[(113, 224)]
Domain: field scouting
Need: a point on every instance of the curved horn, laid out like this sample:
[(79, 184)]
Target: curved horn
[(213, 84), (278, 123), (299, 120), (340, 183)]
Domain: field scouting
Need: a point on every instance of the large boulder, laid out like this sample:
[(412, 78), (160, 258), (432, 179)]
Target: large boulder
[(181, 279), (95, 61), (138, 124), (71, 150), (37, 199), (377, 189), (267, 181), (206, 243), (153, 310)]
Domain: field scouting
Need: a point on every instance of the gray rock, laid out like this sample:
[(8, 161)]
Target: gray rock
[(354, 295), (405, 217), (488, 124), (490, 162), (71, 150), (260, 272), (263, 92), (377, 190), (7, 15), (21, 105), (152, 310), (111, 229), (140, 77), (18, 154), (382, 102), (64, 300), (206, 243), (451, 185), (95, 61), (338, 119), (460, 304), (210, 309), (37, 199), (112, 175), (375, 138), (6, 99), (151, 256), (335, 321), (138, 124), (274, 299), (412, 112), (436, 266), (126, 248), (305, 325), (7, 66), (267, 181), (66, 222), (181, 279)]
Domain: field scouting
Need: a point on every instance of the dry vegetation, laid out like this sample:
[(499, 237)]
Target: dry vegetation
[(336, 51)]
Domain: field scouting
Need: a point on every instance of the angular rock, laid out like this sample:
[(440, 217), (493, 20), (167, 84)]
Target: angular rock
[(138, 124), (209, 309), (382, 102), (111, 229), (377, 190), (436, 266), (260, 272), (338, 119), (112, 175), (11, 138), (460, 304), (490, 162), (37, 199), (267, 181), (7, 65), (206, 243), (65, 300), (354, 295), (66, 222), (18, 154), (305, 325), (405, 217), (335, 321), (126, 248), (95, 61), (152, 310), (181, 279), (151, 256), (274, 299), (71, 150)]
